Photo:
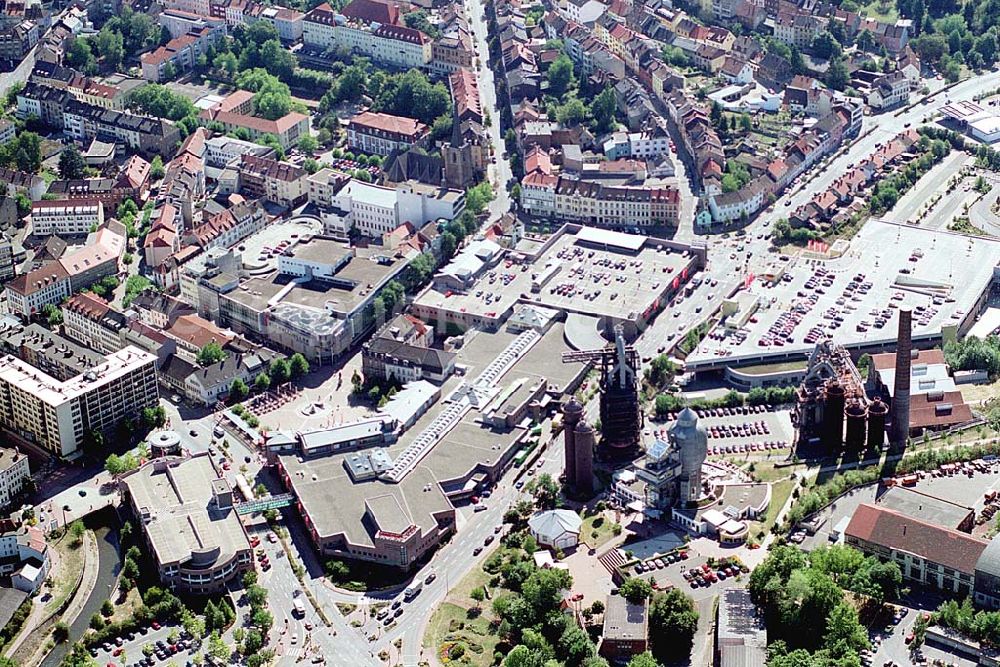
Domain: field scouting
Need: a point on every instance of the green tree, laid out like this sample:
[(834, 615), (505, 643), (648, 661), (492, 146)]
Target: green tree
[(156, 169), (545, 490), (238, 390), (477, 197), (574, 645), (825, 46), (837, 76), (573, 112), (280, 371), (478, 595), (61, 632), (77, 529), (298, 365), (308, 144), (602, 110), (262, 382), (71, 163), (211, 353), (560, 76), (672, 624), (78, 55), (635, 590), (643, 660), (412, 94), (53, 316)]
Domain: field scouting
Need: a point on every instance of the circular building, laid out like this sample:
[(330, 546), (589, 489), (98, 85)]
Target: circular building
[(692, 443), (558, 529), (164, 443)]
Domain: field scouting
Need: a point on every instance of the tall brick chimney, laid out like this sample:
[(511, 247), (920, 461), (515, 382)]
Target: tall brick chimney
[(901, 384)]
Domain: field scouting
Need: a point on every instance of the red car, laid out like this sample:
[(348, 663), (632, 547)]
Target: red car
[(156, 626)]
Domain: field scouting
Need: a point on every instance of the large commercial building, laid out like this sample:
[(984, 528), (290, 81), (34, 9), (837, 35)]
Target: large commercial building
[(375, 210), (58, 414), (190, 524), (318, 301)]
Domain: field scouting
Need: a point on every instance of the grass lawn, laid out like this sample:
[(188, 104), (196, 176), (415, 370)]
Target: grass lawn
[(597, 530), (974, 393), (451, 625), (780, 491), (125, 610), (882, 10), (452, 621), (70, 565)]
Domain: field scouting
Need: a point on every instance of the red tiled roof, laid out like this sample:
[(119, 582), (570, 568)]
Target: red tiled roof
[(887, 360), (938, 410), (371, 11), (87, 304), (197, 331), (888, 528), (388, 123)]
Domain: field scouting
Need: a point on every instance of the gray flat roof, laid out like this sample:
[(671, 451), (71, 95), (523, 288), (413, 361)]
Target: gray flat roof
[(337, 505), (178, 495), (955, 266), (921, 506)]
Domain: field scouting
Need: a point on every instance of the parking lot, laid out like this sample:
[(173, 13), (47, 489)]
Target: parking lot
[(689, 571), (131, 647), (742, 430), (856, 297)]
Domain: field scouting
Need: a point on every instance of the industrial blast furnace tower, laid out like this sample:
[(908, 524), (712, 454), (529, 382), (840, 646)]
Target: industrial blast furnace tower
[(621, 417)]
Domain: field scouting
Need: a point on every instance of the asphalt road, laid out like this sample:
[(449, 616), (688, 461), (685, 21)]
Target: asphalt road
[(499, 172)]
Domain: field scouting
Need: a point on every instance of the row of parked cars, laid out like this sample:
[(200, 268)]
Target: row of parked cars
[(743, 430), (770, 445), (661, 562), (705, 576)]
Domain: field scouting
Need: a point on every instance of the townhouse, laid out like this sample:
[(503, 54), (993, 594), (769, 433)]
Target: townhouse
[(277, 182), (562, 198), (370, 28)]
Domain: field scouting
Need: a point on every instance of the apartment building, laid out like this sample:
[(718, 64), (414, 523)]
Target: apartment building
[(198, 7), (593, 203), (288, 22), (58, 414), (89, 320), (889, 90), (278, 182), (361, 32), (382, 133), (178, 55), (66, 217), (374, 210), (131, 183), (186, 511), (14, 473), (228, 227), (235, 112), (28, 292), (150, 136)]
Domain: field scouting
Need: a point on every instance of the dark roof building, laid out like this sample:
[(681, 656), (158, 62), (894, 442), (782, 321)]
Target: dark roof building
[(927, 554), (626, 629)]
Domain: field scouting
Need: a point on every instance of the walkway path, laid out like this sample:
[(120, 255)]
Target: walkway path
[(91, 566)]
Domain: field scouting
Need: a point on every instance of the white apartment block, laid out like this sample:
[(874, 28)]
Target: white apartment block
[(58, 415), (288, 22), (221, 150), (28, 292), (66, 217), (396, 46), (13, 473), (374, 210)]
